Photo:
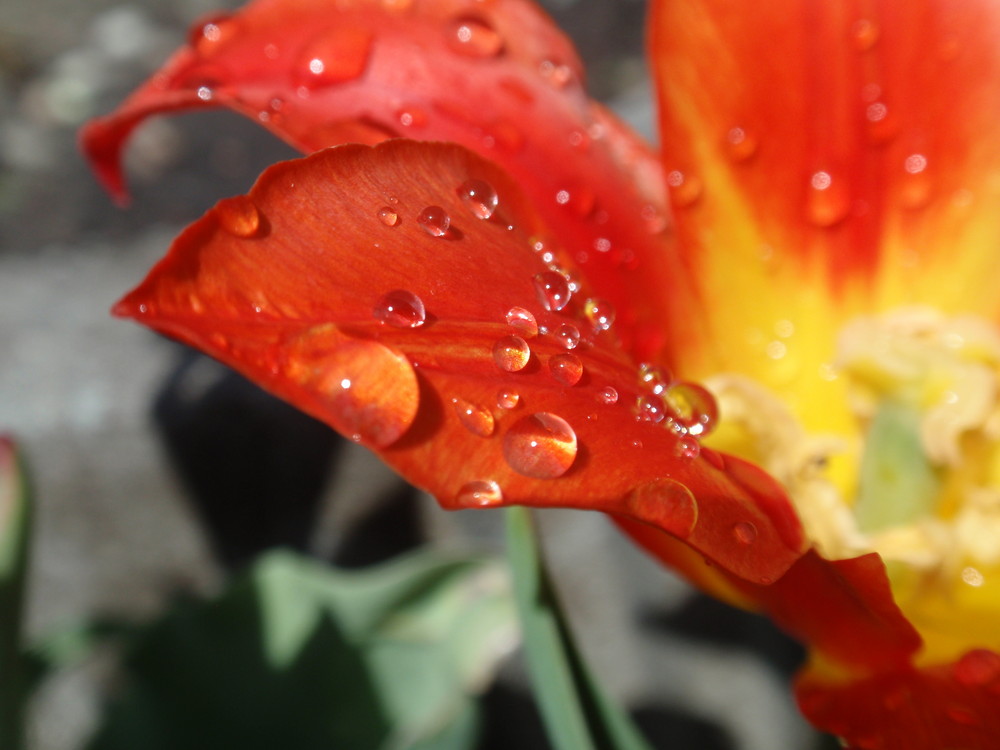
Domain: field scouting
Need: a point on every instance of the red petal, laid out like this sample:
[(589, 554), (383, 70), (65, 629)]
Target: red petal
[(945, 706), (282, 285), (366, 70)]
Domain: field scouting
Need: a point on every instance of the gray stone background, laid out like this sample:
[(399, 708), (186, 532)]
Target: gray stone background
[(120, 531)]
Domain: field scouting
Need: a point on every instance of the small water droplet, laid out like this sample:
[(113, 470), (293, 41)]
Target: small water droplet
[(411, 117), (511, 353), (553, 290), (479, 197), (599, 313), (687, 447), (685, 189), (475, 419), (864, 34), (434, 220), (655, 218), (978, 667), (916, 185), (745, 532), (666, 504), (400, 309), (650, 409), (541, 445), (507, 399), (337, 55), (828, 201), (566, 368), (654, 378), (556, 74), (522, 321), (740, 144), (692, 407), (238, 215), (388, 217), (568, 336), (474, 37), (207, 35), (607, 395), (481, 493), (205, 93)]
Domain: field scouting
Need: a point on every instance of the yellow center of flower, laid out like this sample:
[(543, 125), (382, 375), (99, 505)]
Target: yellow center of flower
[(918, 481)]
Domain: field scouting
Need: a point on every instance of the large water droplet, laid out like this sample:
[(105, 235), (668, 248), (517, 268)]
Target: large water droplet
[(475, 419), (541, 445), (666, 504), (507, 399), (474, 37), (692, 407), (401, 309), (434, 220), (599, 313), (339, 54), (481, 493), (479, 197), (522, 321), (371, 390), (388, 216), (566, 368), (238, 215), (828, 200), (685, 189), (568, 336), (553, 290), (977, 668), (511, 353)]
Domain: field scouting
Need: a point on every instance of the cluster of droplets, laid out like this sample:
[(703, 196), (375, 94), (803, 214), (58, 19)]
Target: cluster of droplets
[(687, 409)]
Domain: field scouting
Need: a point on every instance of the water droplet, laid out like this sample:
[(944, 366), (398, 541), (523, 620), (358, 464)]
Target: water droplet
[(978, 667), (388, 217), (479, 197), (566, 368), (684, 189), (511, 353), (475, 419), (556, 74), (553, 290), (411, 117), (400, 309), (207, 35), (655, 218), (371, 390), (599, 313), (507, 399), (580, 200), (568, 335), (745, 532), (916, 185), (205, 93), (481, 493), (864, 33), (666, 504), (687, 447), (338, 54), (607, 395), (828, 201), (238, 215), (692, 407), (654, 378), (474, 37), (650, 409), (434, 220), (740, 145), (522, 321), (541, 445)]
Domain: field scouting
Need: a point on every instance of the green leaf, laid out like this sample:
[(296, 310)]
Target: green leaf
[(577, 713), (15, 531), (299, 655)]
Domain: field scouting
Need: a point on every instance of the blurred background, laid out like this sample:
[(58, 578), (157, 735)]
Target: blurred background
[(158, 472)]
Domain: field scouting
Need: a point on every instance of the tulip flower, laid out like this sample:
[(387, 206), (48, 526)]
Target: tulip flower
[(767, 350)]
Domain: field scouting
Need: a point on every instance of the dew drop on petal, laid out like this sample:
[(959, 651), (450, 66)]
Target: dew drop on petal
[(474, 37), (475, 419), (522, 321), (568, 336), (481, 493), (388, 217), (541, 445), (654, 378), (607, 395), (566, 368), (692, 407), (434, 220), (400, 309), (740, 144), (479, 197), (864, 33), (511, 353), (208, 35), (507, 399), (666, 504), (371, 392), (553, 290), (685, 189), (744, 532), (828, 201), (599, 313), (337, 55), (687, 447), (238, 215), (650, 409)]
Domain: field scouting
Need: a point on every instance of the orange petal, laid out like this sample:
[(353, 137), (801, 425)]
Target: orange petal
[(289, 284), (497, 77)]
